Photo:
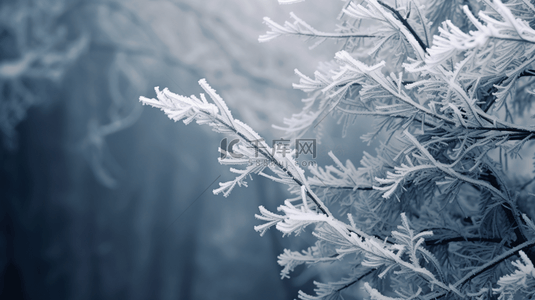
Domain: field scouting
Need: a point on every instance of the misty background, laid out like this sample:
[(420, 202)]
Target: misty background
[(103, 198)]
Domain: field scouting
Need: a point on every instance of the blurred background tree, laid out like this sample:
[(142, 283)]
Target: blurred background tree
[(95, 195)]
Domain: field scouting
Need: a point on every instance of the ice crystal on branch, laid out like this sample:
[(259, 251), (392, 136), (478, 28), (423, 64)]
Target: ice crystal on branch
[(436, 213)]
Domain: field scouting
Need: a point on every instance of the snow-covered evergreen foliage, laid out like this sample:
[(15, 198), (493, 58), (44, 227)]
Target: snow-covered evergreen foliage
[(438, 212)]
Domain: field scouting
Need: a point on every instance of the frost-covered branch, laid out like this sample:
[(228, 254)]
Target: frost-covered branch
[(435, 212), (477, 271), (301, 28), (219, 117)]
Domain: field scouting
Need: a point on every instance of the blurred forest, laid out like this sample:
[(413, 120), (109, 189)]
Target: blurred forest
[(102, 198)]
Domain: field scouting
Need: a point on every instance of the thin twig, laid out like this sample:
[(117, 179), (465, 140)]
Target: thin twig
[(405, 23), (484, 268)]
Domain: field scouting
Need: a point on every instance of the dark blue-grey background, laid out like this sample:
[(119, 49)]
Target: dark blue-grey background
[(94, 187)]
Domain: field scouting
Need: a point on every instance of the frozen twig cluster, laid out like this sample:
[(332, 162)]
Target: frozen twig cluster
[(436, 213)]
